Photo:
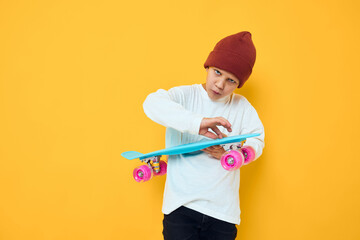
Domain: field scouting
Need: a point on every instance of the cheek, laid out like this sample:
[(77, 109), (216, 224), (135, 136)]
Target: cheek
[(207, 84), (230, 89), (210, 82)]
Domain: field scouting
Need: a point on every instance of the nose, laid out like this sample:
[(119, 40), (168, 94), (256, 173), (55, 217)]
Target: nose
[(220, 83)]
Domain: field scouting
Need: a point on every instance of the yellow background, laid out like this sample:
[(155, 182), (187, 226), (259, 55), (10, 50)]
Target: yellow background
[(74, 74)]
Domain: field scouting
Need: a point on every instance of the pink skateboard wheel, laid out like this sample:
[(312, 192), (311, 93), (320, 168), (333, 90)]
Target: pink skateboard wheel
[(249, 154), (163, 169), (142, 173), (232, 160)]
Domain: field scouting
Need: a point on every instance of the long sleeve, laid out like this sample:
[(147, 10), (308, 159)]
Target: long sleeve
[(166, 108), (253, 124), (190, 180)]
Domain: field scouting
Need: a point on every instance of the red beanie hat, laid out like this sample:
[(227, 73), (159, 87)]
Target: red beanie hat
[(236, 54)]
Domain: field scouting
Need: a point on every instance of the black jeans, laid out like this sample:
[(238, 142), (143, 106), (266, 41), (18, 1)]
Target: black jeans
[(187, 224)]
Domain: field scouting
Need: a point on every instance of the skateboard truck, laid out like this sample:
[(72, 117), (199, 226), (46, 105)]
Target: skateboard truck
[(154, 166), (231, 146), (153, 163)]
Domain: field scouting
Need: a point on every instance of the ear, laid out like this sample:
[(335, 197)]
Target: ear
[(207, 69)]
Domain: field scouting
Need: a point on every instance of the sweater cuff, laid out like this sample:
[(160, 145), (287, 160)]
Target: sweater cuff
[(257, 145)]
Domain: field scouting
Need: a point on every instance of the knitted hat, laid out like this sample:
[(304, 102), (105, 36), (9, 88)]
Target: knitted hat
[(236, 54)]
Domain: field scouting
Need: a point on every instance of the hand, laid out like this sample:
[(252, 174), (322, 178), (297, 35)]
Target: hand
[(214, 151), (212, 123)]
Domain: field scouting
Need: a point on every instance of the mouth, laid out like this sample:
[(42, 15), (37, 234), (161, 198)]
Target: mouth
[(216, 93)]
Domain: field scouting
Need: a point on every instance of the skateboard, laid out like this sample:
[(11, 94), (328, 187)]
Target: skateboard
[(235, 156)]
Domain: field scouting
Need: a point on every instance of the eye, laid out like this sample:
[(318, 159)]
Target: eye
[(232, 81), (217, 72)]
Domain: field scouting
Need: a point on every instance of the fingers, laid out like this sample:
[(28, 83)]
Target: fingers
[(212, 123), (215, 147), (217, 131), (210, 135), (216, 121), (223, 122), (214, 151)]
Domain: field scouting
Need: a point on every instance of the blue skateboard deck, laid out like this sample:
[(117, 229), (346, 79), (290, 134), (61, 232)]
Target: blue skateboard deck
[(188, 148)]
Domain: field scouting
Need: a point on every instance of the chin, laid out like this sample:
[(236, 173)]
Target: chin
[(215, 97)]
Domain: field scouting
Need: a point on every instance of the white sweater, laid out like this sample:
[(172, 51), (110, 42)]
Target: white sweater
[(198, 181)]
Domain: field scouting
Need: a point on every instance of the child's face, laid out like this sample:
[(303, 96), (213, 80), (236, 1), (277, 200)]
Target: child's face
[(220, 83)]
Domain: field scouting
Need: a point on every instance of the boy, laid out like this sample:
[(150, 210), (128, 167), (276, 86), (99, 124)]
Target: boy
[(201, 199)]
